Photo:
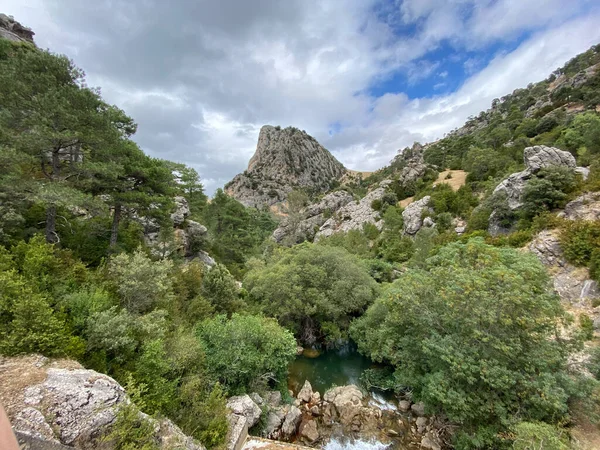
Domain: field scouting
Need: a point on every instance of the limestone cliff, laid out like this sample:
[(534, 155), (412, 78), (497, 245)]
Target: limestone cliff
[(285, 159), (13, 31)]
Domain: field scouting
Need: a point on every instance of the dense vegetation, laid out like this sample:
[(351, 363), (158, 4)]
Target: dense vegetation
[(467, 324)]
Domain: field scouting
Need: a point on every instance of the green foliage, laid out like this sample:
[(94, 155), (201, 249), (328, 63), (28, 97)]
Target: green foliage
[(538, 435), (353, 241), (471, 335), (245, 351), (220, 289), (141, 283), (587, 326), (310, 284), (579, 240), (547, 190)]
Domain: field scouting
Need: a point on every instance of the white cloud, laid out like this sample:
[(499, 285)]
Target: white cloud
[(201, 78)]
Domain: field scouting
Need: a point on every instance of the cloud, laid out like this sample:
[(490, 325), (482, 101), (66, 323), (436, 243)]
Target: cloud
[(201, 78)]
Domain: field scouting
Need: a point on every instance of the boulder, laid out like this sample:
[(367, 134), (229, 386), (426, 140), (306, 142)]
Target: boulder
[(418, 409), (182, 211), (431, 442), (60, 402), (305, 393), (421, 423), (237, 432), (413, 215), (291, 422), (275, 419), (257, 399), (513, 187), (309, 431), (584, 207), (196, 230), (243, 405), (355, 214), (347, 401), (206, 258), (404, 405), (572, 284), (273, 398)]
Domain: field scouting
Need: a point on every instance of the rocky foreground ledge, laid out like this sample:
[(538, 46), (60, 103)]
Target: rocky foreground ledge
[(343, 411), (57, 403)]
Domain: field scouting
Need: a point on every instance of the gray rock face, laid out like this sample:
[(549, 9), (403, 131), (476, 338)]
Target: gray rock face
[(312, 218), (76, 407), (413, 214), (584, 207), (291, 422), (13, 31), (572, 284), (285, 159), (275, 419), (347, 401), (535, 158), (412, 162), (309, 431), (182, 211), (305, 393), (354, 215), (243, 405), (418, 409)]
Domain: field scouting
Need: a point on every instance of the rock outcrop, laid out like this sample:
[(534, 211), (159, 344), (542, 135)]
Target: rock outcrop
[(513, 187), (311, 218), (354, 215), (62, 403), (413, 216), (13, 31), (285, 159)]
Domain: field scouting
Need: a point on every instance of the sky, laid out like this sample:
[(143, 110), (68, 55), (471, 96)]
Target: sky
[(364, 77)]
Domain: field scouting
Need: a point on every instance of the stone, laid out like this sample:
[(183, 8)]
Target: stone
[(309, 431), (316, 397), (404, 405), (460, 230), (291, 422), (273, 398), (13, 31), (206, 258), (583, 171), (275, 419), (182, 211), (418, 408), (285, 160), (584, 207), (347, 401), (195, 229), (572, 284), (305, 393), (311, 218), (237, 432), (243, 405), (315, 411), (513, 187), (412, 215), (431, 442), (421, 423), (257, 399), (74, 406), (355, 214)]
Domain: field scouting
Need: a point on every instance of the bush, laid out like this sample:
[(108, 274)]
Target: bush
[(531, 436), (587, 327), (471, 336), (245, 351), (579, 239), (547, 190), (220, 289), (141, 283)]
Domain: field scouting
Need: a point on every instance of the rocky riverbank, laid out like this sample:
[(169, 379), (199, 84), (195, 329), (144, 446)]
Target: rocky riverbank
[(313, 419)]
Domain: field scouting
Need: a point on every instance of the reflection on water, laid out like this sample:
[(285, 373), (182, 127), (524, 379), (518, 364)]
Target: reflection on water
[(331, 368)]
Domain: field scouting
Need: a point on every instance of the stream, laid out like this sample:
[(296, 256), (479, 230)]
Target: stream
[(340, 367)]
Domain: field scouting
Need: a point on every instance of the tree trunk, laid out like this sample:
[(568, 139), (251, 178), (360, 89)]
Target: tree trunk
[(51, 236), (114, 232)]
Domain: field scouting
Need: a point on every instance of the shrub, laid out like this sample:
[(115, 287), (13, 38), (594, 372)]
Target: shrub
[(141, 283), (587, 327), (537, 435), (579, 239), (470, 335), (220, 289), (547, 190)]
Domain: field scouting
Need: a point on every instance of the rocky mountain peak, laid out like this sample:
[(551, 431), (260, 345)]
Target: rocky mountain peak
[(285, 159), (12, 30)]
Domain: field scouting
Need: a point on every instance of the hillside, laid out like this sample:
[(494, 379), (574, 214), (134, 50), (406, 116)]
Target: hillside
[(136, 314)]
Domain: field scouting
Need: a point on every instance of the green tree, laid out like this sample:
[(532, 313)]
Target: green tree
[(221, 290), (473, 334), (307, 285), (245, 351), (141, 283)]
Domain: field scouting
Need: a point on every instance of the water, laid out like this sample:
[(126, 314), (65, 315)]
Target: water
[(354, 444), (330, 368)]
